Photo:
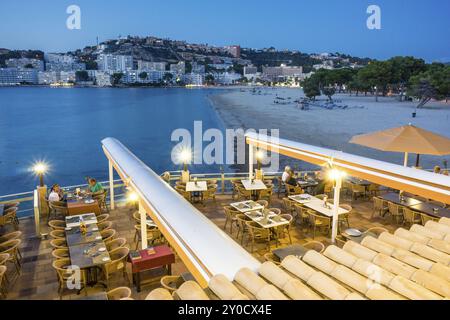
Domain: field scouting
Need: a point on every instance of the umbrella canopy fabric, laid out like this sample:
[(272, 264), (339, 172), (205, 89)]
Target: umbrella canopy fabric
[(407, 138)]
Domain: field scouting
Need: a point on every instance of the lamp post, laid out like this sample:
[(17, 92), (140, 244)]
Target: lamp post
[(336, 176), (40, 169), (259, 157), (185, 157)]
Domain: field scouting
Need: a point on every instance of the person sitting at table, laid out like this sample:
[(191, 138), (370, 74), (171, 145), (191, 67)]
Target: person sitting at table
[(286, 174), (56, 193), (94, 186), (437, 169)]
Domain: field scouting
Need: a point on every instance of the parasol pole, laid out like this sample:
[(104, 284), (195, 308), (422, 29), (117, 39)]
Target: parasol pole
[(417, 160), (405, 162)]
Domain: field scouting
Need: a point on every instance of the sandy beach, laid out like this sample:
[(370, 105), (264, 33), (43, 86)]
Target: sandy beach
[(330, 128)]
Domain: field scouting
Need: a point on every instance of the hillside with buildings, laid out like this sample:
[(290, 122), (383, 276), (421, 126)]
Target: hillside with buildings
[(152, 61)]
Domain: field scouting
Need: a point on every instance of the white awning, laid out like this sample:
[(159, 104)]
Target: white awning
[(420, 182), (203, 247)]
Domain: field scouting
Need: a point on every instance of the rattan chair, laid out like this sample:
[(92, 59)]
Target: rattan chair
[(11, 247), (243, 193), (10, 236), (57, 234), (263, 203), (343, 218), (257, 233), (396, 211), (319, 222), (171, 283), (182, 190), (269, 256), (119, 293), (58, 244), (285, 230), (58, 208), (358, 191), (411, 217), (425, 218), (273, 210), (234, 191), (293, 190), (301, 213), (289, 205), (9, 205), (241, 220), (373, 189), (210, 193), (116, 243), (230, 217), (118, 263), (266, 194), (4, 257), (102, 218), (154, 235), (67, 275), (315, 245), (104, 225), (61, 253), (379, 206), (3, 282), (108, 234), (57, 224), (9, 217), (101, 199)]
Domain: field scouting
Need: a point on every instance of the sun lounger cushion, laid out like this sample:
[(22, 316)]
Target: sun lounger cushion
[(340, 256), (225, 289), (298, 268), (191, 290), (159, 294)]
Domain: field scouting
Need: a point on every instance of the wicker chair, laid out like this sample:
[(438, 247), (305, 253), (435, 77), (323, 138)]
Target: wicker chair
[(211, 183), (373, 189), (293, 190), (182, 190), (289, 205), (269, 256), (57, 234), (235, 184), (241, 220), (9, 205), (411, 217), (58, 244), (264, 203), (102, 218), (328, 189), (10, 217), (171, 283), (3, 282), (343, 218), (315, 245), (57, 224), (119, 293), (104, 225), (284, 230), (230, 217), (396, 211), (243, 193), (10, 236), (65, 274), (115, 243), (273, 210), (61, 253), (379, 206), (4, 257), (266, 194), (210, 193), (358, 191), (101, 199), (118, 263), (318, 222), (154, 235), (11, 247), (301, 213), (57, 208), (425, 218), (108, 234), (257, 233)]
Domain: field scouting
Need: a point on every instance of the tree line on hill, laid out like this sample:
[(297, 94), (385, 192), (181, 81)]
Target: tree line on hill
[(406, 77)]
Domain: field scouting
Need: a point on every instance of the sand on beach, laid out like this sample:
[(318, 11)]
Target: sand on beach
[(330, 128)]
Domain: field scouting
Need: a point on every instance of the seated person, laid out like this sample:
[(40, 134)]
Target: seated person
[(286, 174), (56, 194), (94, 186), (291, 180), (437, 169)]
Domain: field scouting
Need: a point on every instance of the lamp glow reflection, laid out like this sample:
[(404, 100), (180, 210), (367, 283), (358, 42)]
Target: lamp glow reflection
[(40, 168)]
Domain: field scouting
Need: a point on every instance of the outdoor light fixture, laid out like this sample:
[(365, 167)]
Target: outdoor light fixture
[(40, 168), (132, 197), (335, 174), (185, 157), (259, 157)]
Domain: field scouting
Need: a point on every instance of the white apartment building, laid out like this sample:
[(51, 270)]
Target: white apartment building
[(111, 62), (13, 76), (226, 78), (147, 65), (58, 58), (282, 72), (51, 77), (102, 79), (22, 63), (179, 68), (195, 79)]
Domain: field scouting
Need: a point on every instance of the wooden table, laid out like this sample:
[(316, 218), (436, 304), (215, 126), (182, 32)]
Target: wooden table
[(163, 257), (76, 207), (87, 255), (395, 198), (74, 221), (292, 250), (427, 208), (358, 181), (270, 220), (317, 205), (200, 186), (75, 237), (95, 296), (254, 186), (245, 206)]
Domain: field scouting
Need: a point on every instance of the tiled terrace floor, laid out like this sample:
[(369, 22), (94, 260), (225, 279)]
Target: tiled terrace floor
[(38, 279)]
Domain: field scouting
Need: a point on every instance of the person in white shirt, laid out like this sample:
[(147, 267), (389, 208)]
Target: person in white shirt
[(56, 194), (286, 174)]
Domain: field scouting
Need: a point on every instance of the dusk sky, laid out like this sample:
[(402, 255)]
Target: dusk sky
[(409, 27)]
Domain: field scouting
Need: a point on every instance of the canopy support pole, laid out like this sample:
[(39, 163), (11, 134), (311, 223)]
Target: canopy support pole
[(111, 185), (250, 161), (417, 160), (337, 193), (143, 216), (405, 162)]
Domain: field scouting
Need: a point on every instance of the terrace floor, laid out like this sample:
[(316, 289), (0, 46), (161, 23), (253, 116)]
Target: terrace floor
[(38, 280)]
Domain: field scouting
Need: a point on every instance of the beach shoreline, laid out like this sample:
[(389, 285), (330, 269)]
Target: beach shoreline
[(329, 128)]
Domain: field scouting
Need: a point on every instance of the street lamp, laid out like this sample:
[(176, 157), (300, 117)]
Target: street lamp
[(259, 158), (185, 157), (40, 168), (336, 176)]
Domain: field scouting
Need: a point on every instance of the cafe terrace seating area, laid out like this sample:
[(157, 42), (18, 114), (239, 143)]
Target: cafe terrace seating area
[(387, 244)]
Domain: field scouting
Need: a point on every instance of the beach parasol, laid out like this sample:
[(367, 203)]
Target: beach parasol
[(407, 139)]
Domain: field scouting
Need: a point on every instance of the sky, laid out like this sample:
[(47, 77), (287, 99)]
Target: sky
[(408, 27)]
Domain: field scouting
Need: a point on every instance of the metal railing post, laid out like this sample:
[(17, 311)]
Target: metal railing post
[(111, 185)]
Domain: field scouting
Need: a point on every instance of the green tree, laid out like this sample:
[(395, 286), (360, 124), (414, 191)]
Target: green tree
[(403, 68), (378, 74), (82, 75), (311, 88), (29, 66), (168, 77), (209, 79), (116, 77), (143, 75), (431, 84), (329, 92)]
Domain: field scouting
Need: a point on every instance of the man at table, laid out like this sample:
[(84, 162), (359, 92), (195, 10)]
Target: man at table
[(94, 186)]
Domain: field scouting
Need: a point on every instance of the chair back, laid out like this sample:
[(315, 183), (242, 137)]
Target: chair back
[(4, 257), (394, 209), (425, 218), (11, 236), (315, 245), (57, 224), (230, 212), (10, 246), (108, 234), (62, 268), (409, 215), (115, 243), (118, 260), (256, 231), (58, 234), (119, 293), (104, 225), (242, 192), (58, 243), (378, 203), (60, 253), (266, 193)]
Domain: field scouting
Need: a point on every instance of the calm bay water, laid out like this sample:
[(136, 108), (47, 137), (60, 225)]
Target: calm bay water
[(65, 126)]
